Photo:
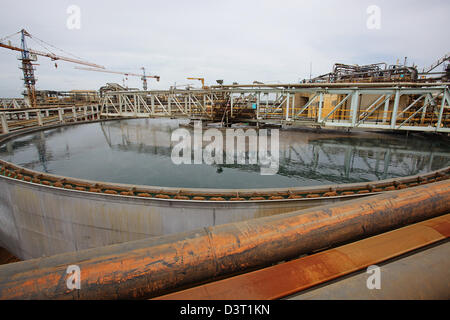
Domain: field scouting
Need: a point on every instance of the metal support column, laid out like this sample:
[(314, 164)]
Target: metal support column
[(257, 105), (74, 112), (293, 107), (169, 104), (287, 106), (395, 108), (190, 104), (39, 118), (152, 100), (424, 111), (120, 104), (441, 112), (386, 110), (231, 103), (319, 115), (60, 116), (354, 107), (5, 128)]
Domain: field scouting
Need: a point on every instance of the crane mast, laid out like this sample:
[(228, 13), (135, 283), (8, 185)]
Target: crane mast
[(144, 80), (28, 70)]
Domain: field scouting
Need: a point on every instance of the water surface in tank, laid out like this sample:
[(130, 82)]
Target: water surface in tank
[(138, 151)]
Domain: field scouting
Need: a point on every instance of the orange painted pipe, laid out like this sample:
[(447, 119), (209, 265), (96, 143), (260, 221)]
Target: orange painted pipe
[(154, 266), (284, 279)]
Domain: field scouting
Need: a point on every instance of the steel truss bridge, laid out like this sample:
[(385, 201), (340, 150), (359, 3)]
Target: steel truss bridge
[(13, 103), (392, 106), (385, 106)]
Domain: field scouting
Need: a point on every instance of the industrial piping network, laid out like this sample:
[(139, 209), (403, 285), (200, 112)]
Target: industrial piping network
[(155, 266)]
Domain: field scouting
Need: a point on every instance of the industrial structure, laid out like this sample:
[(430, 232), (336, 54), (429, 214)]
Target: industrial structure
[(390, 106), (149, 241), (202, 80), (28, 56), (381, 72), (143, 76)]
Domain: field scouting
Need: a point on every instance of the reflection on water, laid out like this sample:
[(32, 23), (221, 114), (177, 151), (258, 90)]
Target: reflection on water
[(138, 152)]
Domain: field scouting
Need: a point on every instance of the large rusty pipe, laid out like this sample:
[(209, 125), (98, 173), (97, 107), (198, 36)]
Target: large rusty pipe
[(150, 267)]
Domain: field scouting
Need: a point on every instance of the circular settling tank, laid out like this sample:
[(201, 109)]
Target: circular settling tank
[(140, 152)]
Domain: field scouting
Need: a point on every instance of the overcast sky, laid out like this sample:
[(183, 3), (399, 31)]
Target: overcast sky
[(237, 41)]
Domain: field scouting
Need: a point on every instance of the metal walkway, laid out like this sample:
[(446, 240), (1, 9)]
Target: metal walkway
[(388, 106)]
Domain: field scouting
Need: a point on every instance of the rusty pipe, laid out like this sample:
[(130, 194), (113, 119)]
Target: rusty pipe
[(151, 267)]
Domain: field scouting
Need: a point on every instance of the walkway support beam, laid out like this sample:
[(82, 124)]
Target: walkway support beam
[(5, 128)]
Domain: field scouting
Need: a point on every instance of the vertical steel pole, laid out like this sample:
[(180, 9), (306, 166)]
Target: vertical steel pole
[(395, 108), (293, 106), (204, 103), (120, 103), (189, 104), (441, 112), (231, 103), (287, 106), (354, 106), (386, 109), (39, 118), (74, 112), (424, 111), (169, 104), (60, 116), (5, 128), (152, 99), (319, 116), (257, 105)]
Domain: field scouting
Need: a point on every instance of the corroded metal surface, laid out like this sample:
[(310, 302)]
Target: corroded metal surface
[(423, 275), (287, 278), (230, 195), (154, 266), (196, 194), (6, 257)]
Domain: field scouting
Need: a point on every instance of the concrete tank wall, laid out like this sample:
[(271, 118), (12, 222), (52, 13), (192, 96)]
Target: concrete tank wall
[(37, 220)]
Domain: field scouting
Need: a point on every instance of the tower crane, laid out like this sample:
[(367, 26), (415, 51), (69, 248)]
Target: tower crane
[(28, 56), (201, 79), (142, 76), (437, 63)]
